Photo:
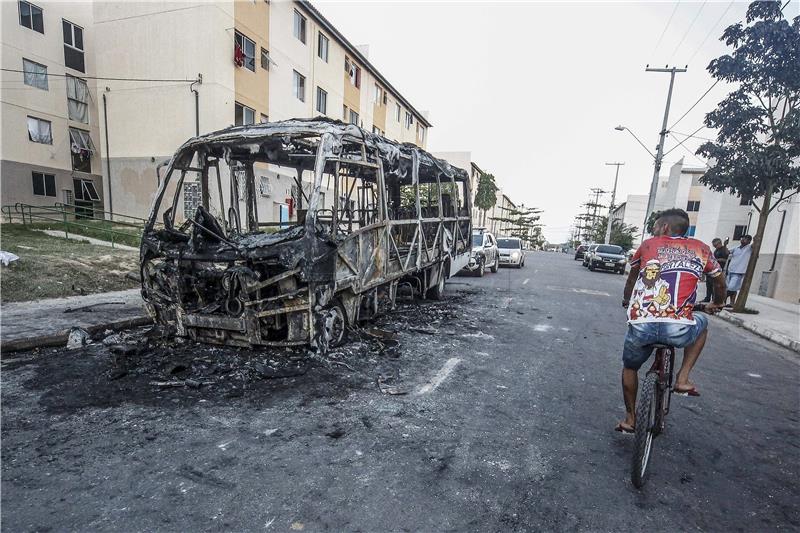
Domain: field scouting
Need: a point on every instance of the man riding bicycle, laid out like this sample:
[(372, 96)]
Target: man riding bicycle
[(659, 296)]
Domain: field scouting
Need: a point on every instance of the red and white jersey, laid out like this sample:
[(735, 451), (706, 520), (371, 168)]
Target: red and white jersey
[(670, 268)]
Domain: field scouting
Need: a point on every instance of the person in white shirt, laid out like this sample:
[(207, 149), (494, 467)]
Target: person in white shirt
[(737, 266)]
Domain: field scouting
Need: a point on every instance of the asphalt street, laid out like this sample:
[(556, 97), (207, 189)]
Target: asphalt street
[(494, 413)]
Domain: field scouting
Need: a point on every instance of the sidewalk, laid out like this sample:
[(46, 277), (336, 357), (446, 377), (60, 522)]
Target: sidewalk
[(26, 325), (776, 321)]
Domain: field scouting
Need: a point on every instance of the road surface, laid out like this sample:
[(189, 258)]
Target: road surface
[(494, 413)]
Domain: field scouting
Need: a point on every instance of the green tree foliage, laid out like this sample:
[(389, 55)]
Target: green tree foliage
[(621, 234), (486, 194), (757, 148)]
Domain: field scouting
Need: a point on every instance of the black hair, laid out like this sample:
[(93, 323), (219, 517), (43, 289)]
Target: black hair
[(748, 237), (677, 219)]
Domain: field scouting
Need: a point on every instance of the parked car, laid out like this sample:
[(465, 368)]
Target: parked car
[(484, 253), (608, 257), (588, 254), (580, 251), (511, 251)]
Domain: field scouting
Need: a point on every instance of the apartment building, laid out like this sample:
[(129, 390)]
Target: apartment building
[(168, 71), (50, 126), (631, 212)]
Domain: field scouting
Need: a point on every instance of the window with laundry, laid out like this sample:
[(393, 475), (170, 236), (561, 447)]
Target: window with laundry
[(34, 74), (40, 131), (82, 149), (77, 99)]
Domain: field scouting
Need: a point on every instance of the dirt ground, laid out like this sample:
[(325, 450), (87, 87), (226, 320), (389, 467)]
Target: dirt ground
[(52, 267)]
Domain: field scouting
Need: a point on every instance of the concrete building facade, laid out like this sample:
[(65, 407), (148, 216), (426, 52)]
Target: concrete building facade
[(50, 127), (631, 212), (195, 68)]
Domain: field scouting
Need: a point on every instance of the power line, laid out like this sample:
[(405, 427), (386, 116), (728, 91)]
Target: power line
[(694, 104), (99, 77), (664, 31), (689, 28), (692, 136), (680, 143), (714, 27)]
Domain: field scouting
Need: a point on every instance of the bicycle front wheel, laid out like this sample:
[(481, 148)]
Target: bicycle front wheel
[(645, 430)]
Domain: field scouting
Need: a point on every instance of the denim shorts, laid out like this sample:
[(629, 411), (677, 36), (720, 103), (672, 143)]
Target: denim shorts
[(641, 337)]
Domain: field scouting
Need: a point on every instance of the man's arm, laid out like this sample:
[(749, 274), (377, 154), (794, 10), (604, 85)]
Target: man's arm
[(632, 277)]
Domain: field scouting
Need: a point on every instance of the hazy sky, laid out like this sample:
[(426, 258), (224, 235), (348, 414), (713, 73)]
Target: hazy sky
[(535, 89)]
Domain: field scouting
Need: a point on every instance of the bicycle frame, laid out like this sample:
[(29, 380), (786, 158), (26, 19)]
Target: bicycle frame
[(663, 367)]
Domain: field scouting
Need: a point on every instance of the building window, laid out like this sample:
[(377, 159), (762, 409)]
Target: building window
[(690, 231), (265, 59), (299, 26), (44, 184), (353, 72), (397, 112), (409, 120), (30, 16), (264, 118), (73, 46), (421, 135), (245, 53), (353, 117), (40, 131), (264, 188), (322, 101), (34, 74), (77, 99), (191, 198), (377, 96), (82, 148), (322, 47), (385, 98), (244, 115), (739, 231), (744, 200), (693, 205), (344, 112), (85, 190), (377, 131), (299, 86)]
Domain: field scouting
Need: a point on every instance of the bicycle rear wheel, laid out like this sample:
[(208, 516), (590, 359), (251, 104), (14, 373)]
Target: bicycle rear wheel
[(645, 430)]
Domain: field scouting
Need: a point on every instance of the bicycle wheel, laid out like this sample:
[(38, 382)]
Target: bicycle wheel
[(645, 430)]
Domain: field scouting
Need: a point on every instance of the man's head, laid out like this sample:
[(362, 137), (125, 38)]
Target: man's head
[(717, 243), (745, 240), (671, 222)]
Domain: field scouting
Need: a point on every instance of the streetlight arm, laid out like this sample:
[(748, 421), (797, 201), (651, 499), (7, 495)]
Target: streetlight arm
[(624, 128)]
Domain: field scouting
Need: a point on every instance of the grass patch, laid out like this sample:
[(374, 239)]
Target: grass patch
[(49, 267), (98, 229)]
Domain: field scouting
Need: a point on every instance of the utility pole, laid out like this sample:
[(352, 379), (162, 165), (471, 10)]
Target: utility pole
[(651, 200), (611, 206)]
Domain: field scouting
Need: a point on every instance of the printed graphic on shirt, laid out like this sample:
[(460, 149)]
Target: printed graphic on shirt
[(667, 286)]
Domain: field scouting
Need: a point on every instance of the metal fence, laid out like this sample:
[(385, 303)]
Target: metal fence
[(78, 220)]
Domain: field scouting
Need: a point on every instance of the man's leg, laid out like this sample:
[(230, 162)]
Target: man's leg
[(630, 387), (709, 289), (690, 354)]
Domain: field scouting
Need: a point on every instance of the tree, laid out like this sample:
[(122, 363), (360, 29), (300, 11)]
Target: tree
[(522, 222), (486, 194), (621, 234), (758, 141), (651, 222)]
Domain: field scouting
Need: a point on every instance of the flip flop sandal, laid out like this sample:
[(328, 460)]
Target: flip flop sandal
[(622, 429), (686, 392)]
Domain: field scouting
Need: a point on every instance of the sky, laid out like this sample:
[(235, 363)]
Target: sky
[(534, 89)]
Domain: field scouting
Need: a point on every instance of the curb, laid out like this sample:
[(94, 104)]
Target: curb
[(60, 338), (764, 333)]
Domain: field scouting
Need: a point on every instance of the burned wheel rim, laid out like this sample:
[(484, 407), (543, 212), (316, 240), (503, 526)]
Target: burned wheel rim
[(334, 325)]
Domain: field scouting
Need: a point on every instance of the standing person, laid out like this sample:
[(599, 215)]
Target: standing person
[(737, 266), (721, 254), (659, 296)]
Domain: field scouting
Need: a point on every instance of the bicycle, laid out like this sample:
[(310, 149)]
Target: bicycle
[(652, 407)]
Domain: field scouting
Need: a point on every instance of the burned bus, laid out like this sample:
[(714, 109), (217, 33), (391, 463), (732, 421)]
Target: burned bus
[(370, 216)]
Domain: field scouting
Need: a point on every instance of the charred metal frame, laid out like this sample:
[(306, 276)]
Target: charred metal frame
[(223, 279)]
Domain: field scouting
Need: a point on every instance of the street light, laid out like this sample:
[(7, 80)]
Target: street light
[(624, 128)]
